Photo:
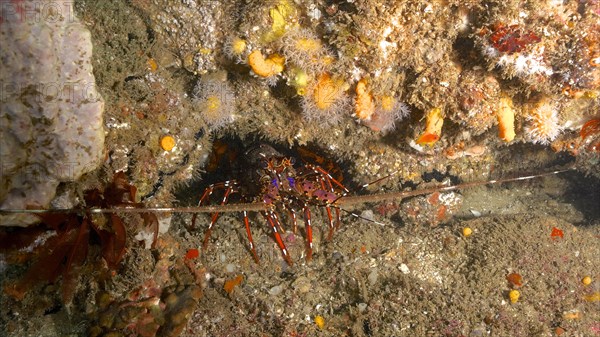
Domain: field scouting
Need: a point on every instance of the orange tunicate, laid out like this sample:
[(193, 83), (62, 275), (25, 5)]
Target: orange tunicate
[(515, 279), (271, 66), (365, 105), (506, 119), (230, 284), (440, 214), (428, 139), (433, 127), (434, 198)]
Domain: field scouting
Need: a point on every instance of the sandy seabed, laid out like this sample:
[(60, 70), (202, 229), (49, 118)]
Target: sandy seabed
[(395, 279)]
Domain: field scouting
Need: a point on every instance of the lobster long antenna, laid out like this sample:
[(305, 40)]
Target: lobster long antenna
[(259, 206), (352, 200), (256, 206)]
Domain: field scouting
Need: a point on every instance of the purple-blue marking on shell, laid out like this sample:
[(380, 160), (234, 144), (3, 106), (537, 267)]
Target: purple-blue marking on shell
[(291, 181)]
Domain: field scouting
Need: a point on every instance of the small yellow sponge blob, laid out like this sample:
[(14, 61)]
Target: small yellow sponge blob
[(320, 322), (514, 295), (467, 231), (167, 143), (586, 281)]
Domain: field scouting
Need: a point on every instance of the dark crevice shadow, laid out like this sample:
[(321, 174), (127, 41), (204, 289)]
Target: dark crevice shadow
[(583, 192)]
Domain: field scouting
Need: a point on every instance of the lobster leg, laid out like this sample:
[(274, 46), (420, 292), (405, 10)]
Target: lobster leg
[(273, 222), (230, 187), (338, 221), (330, 222), (251, 242), (293, 216), (278, 223), (309, 235), (207, 193), (328, 209), (330, 179)]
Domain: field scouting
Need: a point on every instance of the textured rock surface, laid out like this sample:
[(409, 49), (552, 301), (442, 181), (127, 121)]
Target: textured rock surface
[(50, 112)]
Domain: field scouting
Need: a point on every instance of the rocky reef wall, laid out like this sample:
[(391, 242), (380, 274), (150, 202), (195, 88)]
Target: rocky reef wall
[(51, 125), (447, 86)]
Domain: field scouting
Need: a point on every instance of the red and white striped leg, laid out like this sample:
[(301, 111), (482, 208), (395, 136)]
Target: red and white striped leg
[(214, 218), (272, 220), (230, 187), (251, 242), (309, 234)]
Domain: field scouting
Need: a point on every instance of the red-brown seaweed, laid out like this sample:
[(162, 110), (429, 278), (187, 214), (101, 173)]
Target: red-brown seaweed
[(65, 252)]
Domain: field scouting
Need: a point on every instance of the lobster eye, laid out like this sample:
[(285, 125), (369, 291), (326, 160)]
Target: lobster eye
[(292, 160), (264, 164)]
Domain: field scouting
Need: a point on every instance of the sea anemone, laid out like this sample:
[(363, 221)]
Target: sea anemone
[(379, 113), (325, 101), (215, 99), (542, 123), (388, 111), (305, 50), (235, 48)]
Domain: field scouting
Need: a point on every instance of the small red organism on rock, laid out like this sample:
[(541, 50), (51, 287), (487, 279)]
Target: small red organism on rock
[(556, 233), (590, 135), (511, 39), (434, 198), (192, 254), (515, 279)]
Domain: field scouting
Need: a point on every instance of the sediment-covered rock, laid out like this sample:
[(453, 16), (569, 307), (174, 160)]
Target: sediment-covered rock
[(50, 111)]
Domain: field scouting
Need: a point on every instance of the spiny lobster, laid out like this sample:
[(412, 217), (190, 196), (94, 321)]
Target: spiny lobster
[(280, 187)]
